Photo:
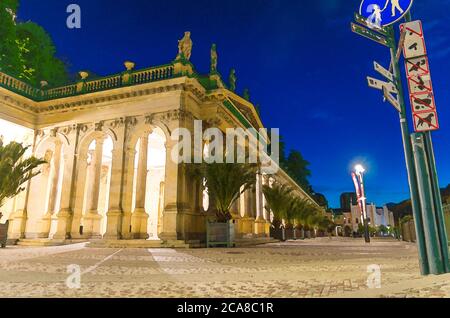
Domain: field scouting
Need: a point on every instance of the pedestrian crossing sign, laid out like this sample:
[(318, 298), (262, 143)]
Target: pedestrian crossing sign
[(381, 13)]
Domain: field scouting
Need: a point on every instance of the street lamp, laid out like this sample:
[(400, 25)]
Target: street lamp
[(359, 184)]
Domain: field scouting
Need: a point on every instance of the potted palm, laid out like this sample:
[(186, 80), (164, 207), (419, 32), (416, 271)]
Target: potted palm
[(278, 201), (225, 182)]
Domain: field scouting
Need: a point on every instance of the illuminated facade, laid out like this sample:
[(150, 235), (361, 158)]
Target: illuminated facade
[(108, 143)]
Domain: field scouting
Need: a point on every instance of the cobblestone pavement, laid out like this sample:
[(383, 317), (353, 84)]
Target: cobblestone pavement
[(311, 268)]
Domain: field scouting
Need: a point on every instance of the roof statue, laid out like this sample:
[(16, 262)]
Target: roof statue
[(232, 80), (214, 58), (185, 46), (246, 94)]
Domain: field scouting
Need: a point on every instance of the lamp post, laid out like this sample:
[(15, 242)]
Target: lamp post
[(359, 172)]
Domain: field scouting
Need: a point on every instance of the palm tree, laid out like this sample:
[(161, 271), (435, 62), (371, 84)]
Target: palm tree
[(14, 170), (278, 201), (225, 183)]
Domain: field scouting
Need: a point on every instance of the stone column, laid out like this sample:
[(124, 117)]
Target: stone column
[(79, 197), (53, 191), (247, 220), (92, 218), (65, 212), (170, 214), (160, 207), (139, 218), (114, 214), (128, 175), (260, 221), (266, 213)]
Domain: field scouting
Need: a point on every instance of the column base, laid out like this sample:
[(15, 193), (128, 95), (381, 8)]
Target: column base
[(170, 218), (247, 226), (45, 225), (17, 225), (260, 227), (139, 220), (91, 228), (113, 230), (63, 229), (267, 228)]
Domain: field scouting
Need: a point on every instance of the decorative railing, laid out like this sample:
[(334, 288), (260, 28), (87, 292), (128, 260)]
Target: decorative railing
[(17, 86), (85, 86)]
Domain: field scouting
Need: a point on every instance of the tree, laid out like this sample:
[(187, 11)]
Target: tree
[(27, 51), (383, 230), (297, 168), (14, 170), (321, 200), (225, 183), (37, 53), (9, 50)]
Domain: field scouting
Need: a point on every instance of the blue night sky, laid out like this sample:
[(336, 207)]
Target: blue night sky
[(299, 59)]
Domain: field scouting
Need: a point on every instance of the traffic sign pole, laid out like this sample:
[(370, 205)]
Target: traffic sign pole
[(439, 211), (410, 167), (434, 250), (432, 239), (436, 193)]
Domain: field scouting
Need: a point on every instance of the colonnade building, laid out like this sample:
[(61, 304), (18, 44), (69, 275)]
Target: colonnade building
[(107, 143)]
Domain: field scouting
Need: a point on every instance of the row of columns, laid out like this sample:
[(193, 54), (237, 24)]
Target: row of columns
[(255, 221)]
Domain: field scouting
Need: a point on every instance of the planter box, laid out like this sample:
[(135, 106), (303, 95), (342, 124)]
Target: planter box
[(3, 234), (220, 234), (278, 233)]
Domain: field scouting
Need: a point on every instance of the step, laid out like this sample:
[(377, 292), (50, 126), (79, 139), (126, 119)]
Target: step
[(137, 244)]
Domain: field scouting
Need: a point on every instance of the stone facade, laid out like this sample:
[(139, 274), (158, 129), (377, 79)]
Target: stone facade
[(100, 137)]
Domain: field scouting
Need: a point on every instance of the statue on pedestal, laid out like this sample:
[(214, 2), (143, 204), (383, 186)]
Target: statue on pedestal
[(214, 58), (232, 80), (185, 46)]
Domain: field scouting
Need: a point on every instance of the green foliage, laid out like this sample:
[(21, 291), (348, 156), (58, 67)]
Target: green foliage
[(406, 219), (225, 183), (27, 51), (373, 230), (297, 168), (321, 200), (382, 229), (9, 50), (278, 200), (294, 210), (14, 170), (37, 53)]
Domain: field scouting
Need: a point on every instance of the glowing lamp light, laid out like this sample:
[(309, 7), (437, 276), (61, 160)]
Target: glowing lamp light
[(359, 169)]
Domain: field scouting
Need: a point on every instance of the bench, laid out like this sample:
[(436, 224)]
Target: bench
[(4, 234)]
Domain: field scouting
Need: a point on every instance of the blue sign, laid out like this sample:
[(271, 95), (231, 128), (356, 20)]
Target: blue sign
[(380, 13)]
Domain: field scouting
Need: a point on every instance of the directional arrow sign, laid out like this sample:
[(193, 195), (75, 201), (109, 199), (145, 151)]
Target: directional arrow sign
[(377, 84), (369, 34), (380, 69), (391, 99)]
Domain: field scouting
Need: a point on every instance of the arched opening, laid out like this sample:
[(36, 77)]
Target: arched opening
[(97, 185), (148, 185), (45, 190)]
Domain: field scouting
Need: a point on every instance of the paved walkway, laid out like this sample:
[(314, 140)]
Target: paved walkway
[(312, 268)]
